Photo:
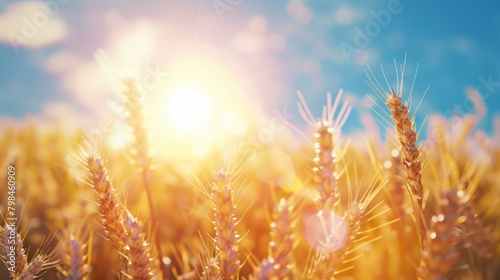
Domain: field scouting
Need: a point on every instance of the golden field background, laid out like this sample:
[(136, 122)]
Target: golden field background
[(53, 200)]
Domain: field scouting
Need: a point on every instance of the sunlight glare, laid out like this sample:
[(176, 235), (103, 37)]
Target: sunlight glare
[(189, 109)]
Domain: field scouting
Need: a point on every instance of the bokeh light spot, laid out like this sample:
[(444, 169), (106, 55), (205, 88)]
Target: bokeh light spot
[(325, 230)]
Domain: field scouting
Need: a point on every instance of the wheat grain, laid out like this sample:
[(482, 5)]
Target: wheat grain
[(212, 270)]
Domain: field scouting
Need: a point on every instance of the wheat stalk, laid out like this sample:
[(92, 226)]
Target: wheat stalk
[(279, 263), (111, 211), (120, 226), (135, 119), (326, 148), (326, 136), (226, 237), (407, 137)]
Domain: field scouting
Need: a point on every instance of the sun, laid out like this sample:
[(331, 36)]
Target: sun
[(188, 109)]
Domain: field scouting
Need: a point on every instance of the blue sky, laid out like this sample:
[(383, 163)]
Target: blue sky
[(270, 48)]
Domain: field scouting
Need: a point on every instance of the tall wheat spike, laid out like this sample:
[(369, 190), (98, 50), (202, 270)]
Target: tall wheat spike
[(132, 100), (326, 147), (327, 154), (407, 137), (120, 226), (111, 210)]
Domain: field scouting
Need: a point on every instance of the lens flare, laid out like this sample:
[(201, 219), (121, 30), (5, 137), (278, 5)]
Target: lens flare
[(325, 230)]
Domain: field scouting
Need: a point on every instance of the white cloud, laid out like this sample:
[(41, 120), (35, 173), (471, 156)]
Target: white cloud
[(299, 12), (61, 61), (396, 39), (461, 44), (86, 83), (31, 24), (364, 57), (249, 43), (80, 78), (63, 113), (256, 39), (344, 15), (257, 24)]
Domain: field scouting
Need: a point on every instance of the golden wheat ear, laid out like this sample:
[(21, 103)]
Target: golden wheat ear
[(137, 250), (226, 237), (134, 117), (22, 269), (406, 135), (111, 211), (326, 147), (280, 262), (75, 263), (21, 259)]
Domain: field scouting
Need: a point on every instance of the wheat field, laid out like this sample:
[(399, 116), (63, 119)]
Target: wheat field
[(416, 205)]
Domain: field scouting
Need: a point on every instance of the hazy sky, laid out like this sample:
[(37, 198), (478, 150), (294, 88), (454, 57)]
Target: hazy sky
[(264, 50)]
